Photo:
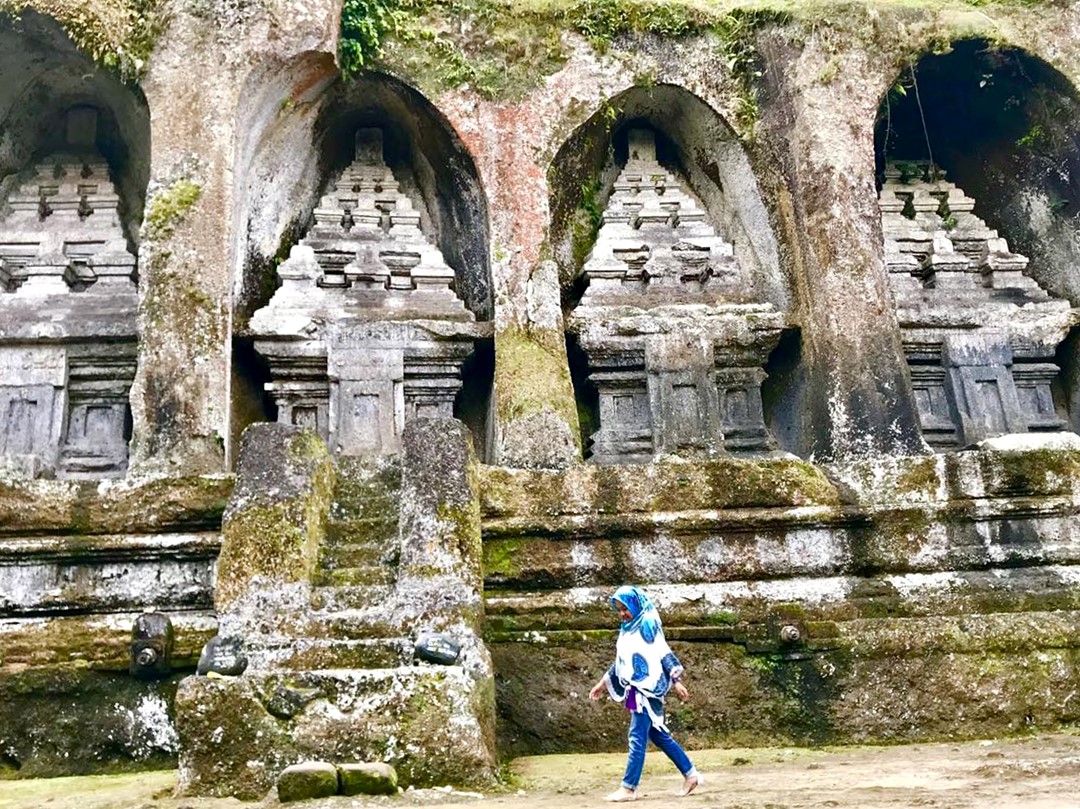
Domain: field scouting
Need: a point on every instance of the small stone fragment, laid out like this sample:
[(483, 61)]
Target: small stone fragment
[(310, 779), (434, 647), (368, 779), (224, 656)]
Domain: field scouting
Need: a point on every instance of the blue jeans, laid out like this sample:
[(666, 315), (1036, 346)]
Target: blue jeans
[(641, 730)]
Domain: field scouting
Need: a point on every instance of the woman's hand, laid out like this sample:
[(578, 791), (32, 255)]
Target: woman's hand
[(680, 691), (598, 690)]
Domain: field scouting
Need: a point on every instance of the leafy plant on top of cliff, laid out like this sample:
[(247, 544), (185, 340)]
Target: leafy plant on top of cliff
[(498, 49), (736, 37), (600, 21), (364, 25), (117, 35)]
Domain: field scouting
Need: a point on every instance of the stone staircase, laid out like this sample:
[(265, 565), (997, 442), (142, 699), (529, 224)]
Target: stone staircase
[(352, 624), (329, 570)]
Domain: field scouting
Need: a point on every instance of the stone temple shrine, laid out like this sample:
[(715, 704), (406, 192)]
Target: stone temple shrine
[(340, 385)]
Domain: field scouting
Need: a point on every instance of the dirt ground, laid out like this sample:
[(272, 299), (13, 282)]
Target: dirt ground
[(1039, 772)]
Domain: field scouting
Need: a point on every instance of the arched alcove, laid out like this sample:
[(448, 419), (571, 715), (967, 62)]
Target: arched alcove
[(977, 155), (1001, 124), (45, 75), (671, 271), (315, 138), (693, 141), (301, 119), (74, 166)]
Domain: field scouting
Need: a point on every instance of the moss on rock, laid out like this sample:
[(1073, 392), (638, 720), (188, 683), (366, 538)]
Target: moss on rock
[(532, 376), (168, 208), (276, 521), (71, 720), (118, 34)]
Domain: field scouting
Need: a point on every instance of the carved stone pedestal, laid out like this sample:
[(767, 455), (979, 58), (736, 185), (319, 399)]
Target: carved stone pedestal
[(979, 335), (676, 352), (67, 317)]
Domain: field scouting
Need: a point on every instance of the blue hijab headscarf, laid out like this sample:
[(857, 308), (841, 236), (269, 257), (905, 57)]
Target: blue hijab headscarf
[(643, 615)]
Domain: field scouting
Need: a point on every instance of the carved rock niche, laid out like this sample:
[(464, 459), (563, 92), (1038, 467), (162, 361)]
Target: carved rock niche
[(979, 334), (68, 301), (676, 344), (366, 331)]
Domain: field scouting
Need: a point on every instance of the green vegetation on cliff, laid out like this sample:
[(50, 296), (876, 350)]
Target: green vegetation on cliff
[(501, 49), (117, 34)]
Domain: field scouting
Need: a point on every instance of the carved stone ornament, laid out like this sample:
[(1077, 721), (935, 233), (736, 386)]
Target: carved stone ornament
[(675, 342), (366, 331)]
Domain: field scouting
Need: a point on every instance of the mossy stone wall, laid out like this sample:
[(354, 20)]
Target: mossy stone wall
[(906, 600)]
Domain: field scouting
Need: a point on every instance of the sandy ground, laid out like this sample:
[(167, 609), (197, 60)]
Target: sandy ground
[(1040, 772)]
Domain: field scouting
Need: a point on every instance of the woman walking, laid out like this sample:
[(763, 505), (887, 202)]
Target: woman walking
[(645, 669)]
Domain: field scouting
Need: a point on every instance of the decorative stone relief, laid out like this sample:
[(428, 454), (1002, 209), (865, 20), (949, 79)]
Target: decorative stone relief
[(675, 343), (366, 331), (67, 315), (979, 335)]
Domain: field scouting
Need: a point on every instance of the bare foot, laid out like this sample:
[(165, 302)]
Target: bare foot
[(621, 795), (689, 784)]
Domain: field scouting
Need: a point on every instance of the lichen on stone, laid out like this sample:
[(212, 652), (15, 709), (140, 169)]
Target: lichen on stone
[(168, 208), (531, 377)]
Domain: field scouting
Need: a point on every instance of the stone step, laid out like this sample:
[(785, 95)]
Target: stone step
[(356, 597), (342, 556), (377, 530), (365, 653), (350, 576), (366, 489), (345, 508), (353, 624), (436, 716)]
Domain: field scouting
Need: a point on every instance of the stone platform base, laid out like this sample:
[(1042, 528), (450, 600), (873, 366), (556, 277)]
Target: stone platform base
[(239, 733)]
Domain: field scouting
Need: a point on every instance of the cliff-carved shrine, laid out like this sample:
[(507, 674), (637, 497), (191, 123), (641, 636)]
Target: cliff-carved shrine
[(332, 408)]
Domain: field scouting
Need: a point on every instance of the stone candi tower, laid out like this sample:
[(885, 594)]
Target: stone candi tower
[(67, 315), (366, 331), (675, 342), (979, 335)]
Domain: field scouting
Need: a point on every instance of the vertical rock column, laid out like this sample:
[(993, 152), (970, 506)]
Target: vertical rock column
[(198, 78), (536, 424), (181, 390), (857, 394), (441, 577)]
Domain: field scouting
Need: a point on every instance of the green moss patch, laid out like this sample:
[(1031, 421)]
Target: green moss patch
[(532, 376), (168, 208)]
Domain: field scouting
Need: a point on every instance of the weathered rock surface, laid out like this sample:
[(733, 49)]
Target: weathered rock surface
[(379, 552), (924, 587), (70, 718), (891, 593)]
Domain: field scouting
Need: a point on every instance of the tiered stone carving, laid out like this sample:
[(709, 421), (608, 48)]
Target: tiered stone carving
[(675, 343), (979, 335), (67, 315), (366, 331)]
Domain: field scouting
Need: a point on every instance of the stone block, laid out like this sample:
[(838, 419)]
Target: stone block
[(367, 779), (440, 525), (437, 722), (310, 779), (276, 518)]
